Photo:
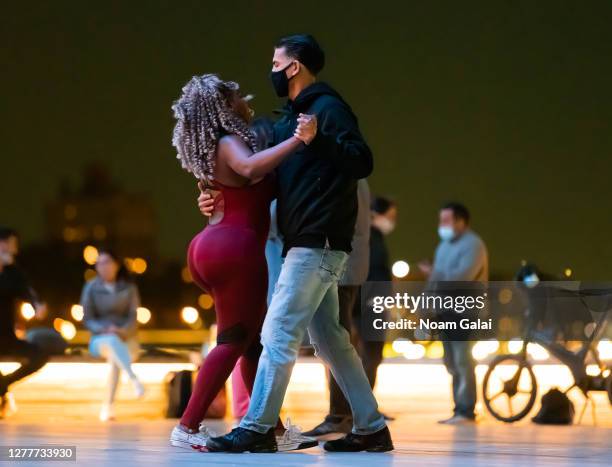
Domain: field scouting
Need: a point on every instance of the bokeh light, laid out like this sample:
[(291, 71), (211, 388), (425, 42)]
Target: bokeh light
[(537, 352), (77, 313), (186, 275), (189, 314), (89, 274), (205, 301), (482, 349), (409, 349), (400, 269), (90, 254), (139, 266), (605, 349), (27, 311), (143, 315)]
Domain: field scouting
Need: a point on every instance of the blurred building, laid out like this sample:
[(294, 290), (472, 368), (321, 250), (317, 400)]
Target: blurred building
[(100, 212)]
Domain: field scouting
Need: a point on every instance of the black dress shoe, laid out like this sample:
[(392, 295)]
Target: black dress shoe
[(241, 440), (379, 441), (331, 424)]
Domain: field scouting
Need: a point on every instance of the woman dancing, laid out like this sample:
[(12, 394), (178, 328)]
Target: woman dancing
[(227, 258)]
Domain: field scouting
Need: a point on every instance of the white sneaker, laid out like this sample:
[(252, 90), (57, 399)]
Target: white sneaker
[(107, 413), (183, 439), (458, 420), (139, 390), (293, 439)]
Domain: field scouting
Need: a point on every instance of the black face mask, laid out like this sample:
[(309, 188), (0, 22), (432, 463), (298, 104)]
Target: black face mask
[(280, 82)]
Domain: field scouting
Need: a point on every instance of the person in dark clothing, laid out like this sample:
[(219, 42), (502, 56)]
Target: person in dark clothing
[(317, 209), (317, 198), (384, 218), (14, 286)]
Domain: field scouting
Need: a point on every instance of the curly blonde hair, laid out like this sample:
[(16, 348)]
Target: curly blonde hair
[(203, 114)]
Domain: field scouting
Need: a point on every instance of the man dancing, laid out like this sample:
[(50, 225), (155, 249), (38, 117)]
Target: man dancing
[(317, 209)]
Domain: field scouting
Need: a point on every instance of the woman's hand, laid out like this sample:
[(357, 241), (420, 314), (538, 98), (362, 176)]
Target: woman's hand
[(306, 129), (206, 200), (116, 330)]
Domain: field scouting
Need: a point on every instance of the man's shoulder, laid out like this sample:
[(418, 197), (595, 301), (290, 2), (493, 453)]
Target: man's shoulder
[(473, 239), (329, 103)]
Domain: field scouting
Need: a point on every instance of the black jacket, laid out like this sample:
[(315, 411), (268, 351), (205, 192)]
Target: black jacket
[(380, 271), (317, 198), (14, 286)]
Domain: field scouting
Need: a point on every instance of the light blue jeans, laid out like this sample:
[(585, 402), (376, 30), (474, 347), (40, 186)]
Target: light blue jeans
[(274, 258), (306, 296), (119, 354)]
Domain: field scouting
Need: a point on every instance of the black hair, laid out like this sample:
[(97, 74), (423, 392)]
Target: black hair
[(263, 127), (122, 273), (381, 205), (305, 49), (459, 211), (7, 232)]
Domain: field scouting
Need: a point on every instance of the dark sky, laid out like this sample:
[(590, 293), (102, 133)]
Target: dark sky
[(505, 105)]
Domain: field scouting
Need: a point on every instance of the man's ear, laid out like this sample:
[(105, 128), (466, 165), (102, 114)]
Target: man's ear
[(298, 68)]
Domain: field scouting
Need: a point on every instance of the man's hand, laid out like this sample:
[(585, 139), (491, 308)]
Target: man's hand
[(425, 267), (206, 200), (41, 310), (306, 129)]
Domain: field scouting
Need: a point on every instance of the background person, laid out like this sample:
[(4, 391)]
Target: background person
[(384, 219), (461, 255), (15, 287), (110, 302)]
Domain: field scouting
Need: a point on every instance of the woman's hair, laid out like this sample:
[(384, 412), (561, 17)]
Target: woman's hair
[(122, 273), (263, 128), (203, 114)]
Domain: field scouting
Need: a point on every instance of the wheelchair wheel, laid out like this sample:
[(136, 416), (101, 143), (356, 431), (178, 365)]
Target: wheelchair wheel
[(509, 388)]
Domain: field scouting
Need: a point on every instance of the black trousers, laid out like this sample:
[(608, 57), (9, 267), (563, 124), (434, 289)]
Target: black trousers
[(31, 357), (369, 351)]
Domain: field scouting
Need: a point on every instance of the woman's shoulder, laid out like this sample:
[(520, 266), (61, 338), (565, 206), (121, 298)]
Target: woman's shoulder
[(227, 141), (91, 283), (127, 284)]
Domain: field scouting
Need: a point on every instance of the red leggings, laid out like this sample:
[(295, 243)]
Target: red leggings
[(230, 264)]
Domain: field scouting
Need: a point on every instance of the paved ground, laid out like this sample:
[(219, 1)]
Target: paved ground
[(56, 410)]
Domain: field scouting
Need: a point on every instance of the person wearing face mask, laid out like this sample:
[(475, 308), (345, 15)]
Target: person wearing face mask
[(14, 287), (461, 255), (384, 218), (316, 213)]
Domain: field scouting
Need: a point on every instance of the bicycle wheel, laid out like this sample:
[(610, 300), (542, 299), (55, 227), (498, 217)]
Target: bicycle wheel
[(509, 388), (609, 387)]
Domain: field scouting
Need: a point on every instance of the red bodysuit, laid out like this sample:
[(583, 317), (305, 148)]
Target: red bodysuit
[(228, 260)]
